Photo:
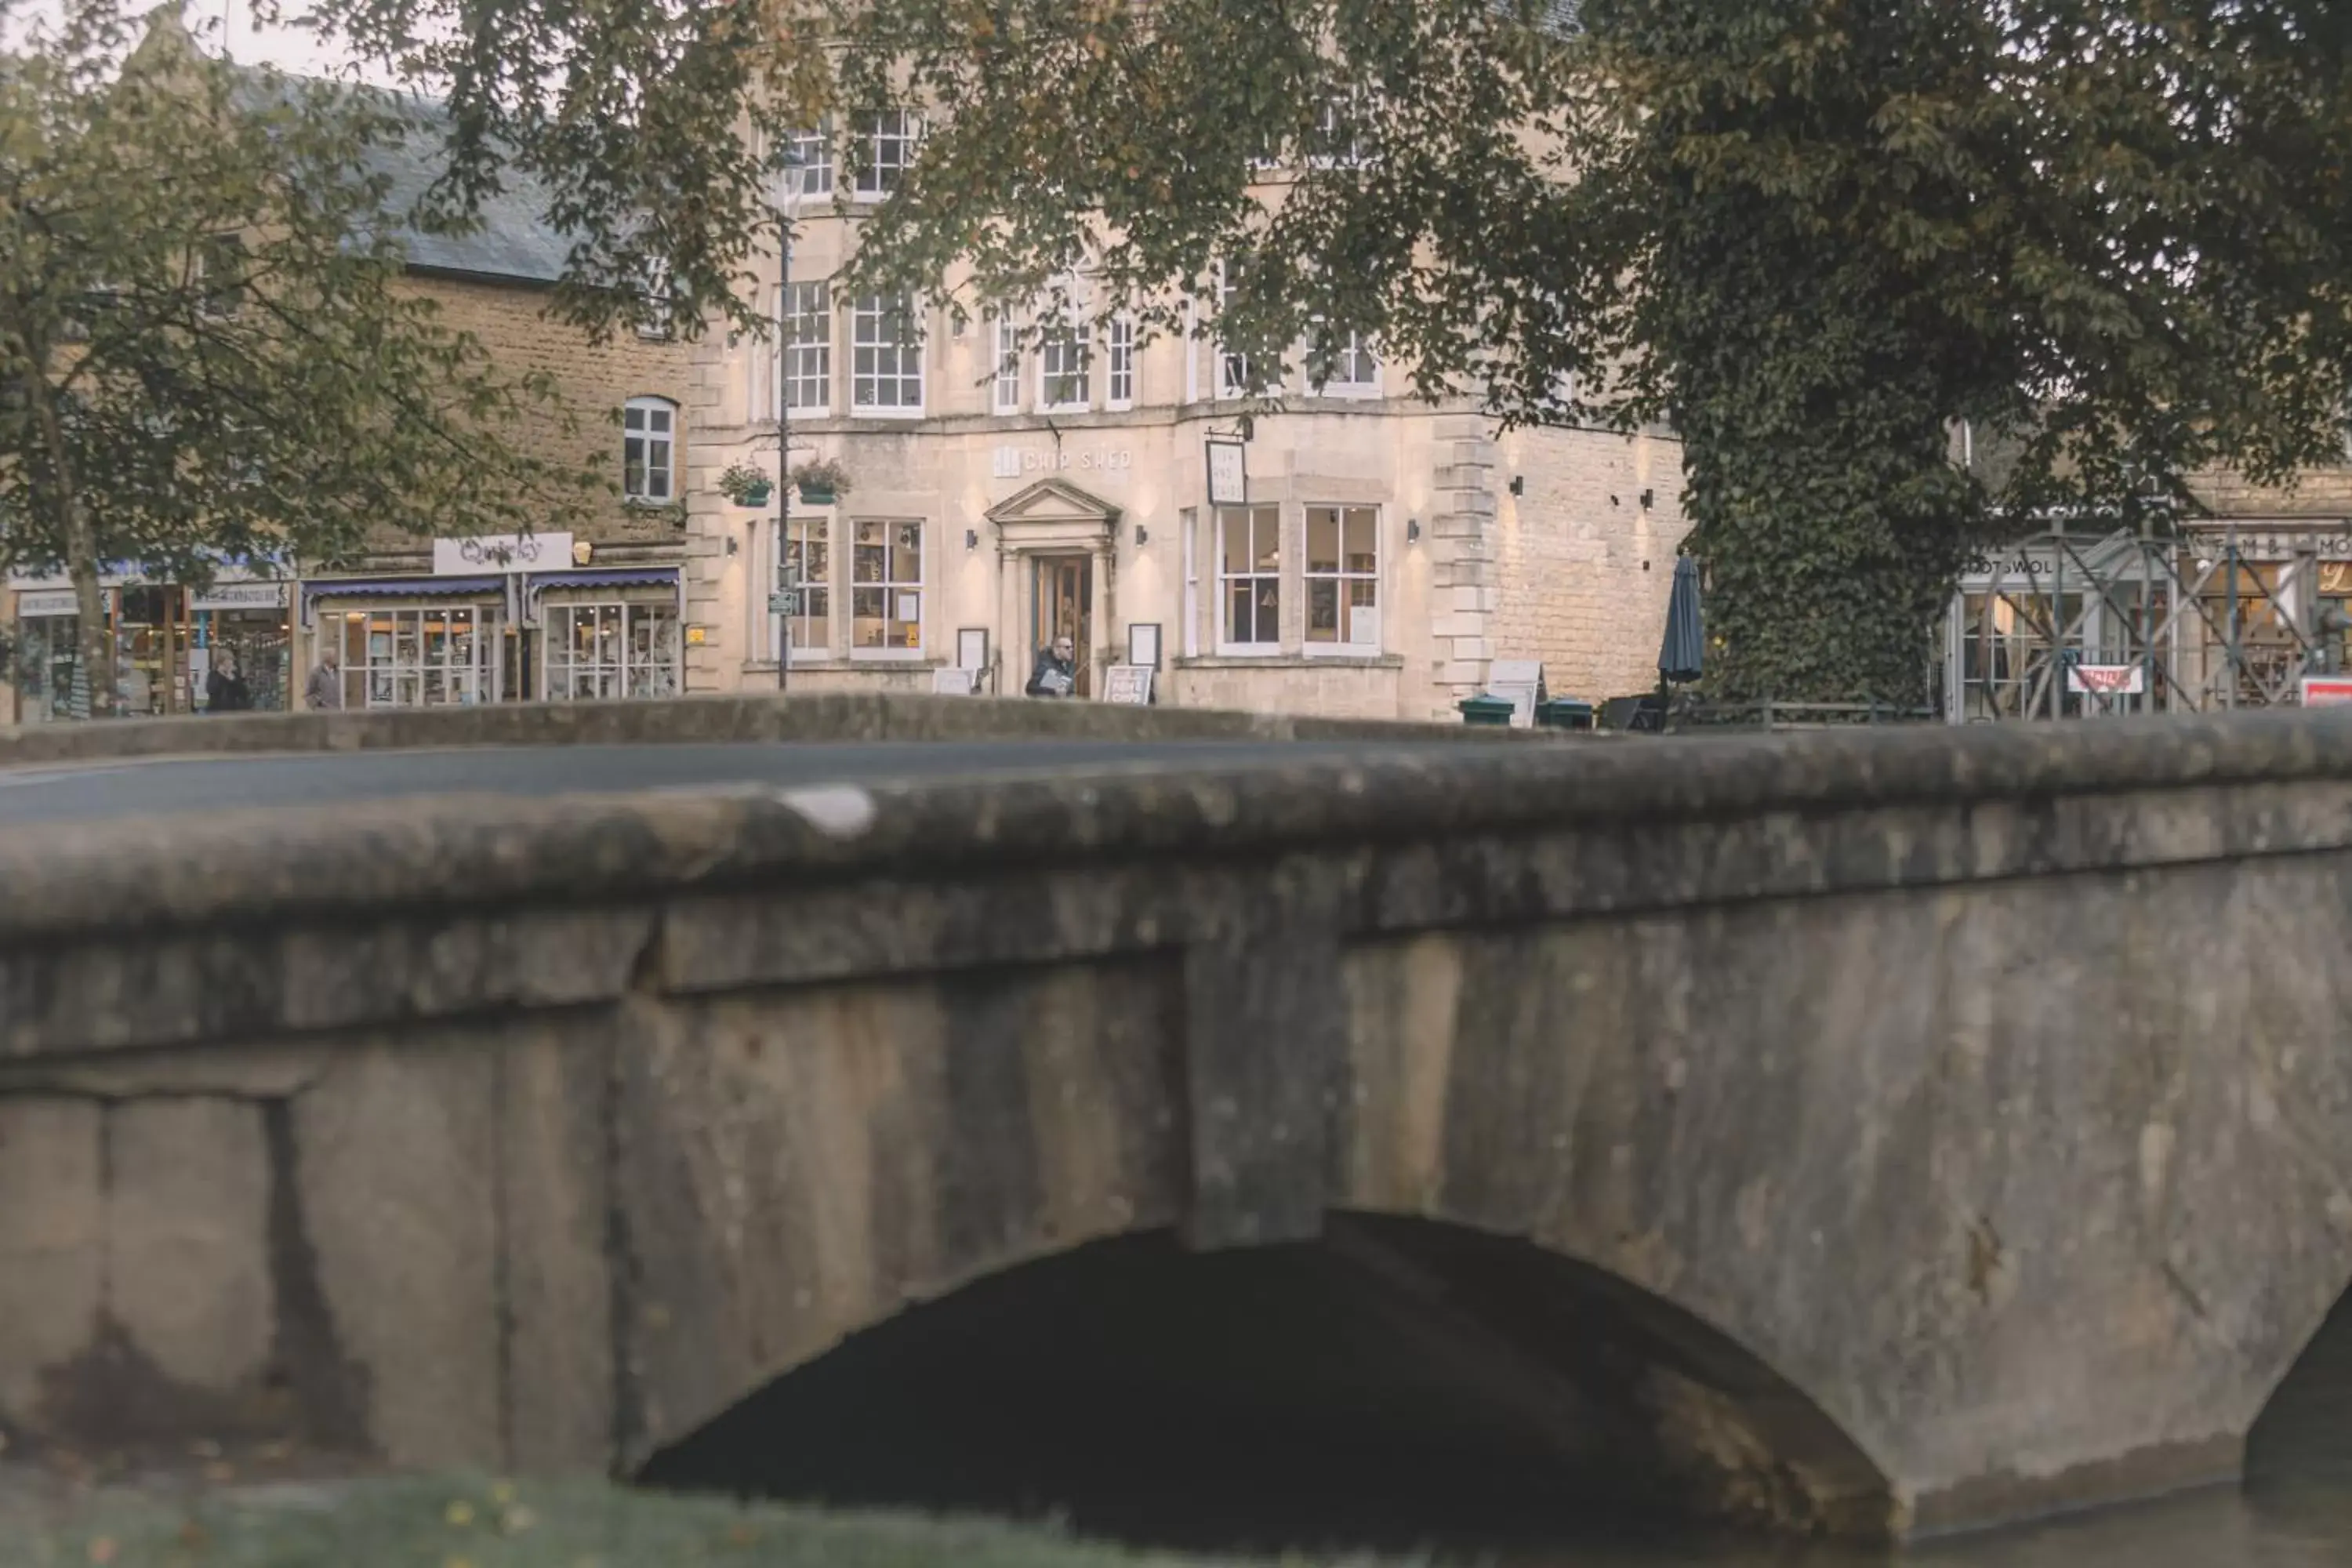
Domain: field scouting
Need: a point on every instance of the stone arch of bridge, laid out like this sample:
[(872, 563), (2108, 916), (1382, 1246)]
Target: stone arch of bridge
[(1400, 1380), (803, 1175)]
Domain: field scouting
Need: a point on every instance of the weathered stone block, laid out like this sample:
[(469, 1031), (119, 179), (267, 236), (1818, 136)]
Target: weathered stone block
[(52, 1246), (187, 1244), (397, 1156), (555, 1224)]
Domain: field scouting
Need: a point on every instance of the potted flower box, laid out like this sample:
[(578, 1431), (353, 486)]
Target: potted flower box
[(819, 483), (746, 486)]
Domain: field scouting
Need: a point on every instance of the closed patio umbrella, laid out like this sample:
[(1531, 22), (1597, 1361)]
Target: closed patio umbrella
[(1683, 655)]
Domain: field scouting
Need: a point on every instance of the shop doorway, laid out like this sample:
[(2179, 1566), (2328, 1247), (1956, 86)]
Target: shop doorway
[(1062, 605), (150, 653)]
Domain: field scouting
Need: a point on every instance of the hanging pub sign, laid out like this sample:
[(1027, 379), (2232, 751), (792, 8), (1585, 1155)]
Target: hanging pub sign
[(1228, 473)]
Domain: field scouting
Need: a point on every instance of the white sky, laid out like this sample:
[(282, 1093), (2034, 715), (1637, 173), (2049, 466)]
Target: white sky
[(288, 47), (231, 24)]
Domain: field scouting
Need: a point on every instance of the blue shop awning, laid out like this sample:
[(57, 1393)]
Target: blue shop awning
[(400, 587), (604, 577)]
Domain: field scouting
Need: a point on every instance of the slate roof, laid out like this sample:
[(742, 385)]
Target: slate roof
[(512, 241), (512, 238)]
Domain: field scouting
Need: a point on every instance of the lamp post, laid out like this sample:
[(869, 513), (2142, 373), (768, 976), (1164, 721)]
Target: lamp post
[(787, 589), (785, 600)]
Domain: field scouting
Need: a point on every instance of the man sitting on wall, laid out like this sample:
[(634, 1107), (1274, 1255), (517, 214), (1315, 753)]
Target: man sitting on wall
[(1056, 672)]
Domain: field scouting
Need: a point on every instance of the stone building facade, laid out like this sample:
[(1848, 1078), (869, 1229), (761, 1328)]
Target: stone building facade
[(1387, 553), (594, 612)]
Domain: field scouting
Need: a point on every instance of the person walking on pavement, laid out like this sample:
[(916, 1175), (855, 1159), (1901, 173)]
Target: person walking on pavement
[(325, 690), (1056, 673)]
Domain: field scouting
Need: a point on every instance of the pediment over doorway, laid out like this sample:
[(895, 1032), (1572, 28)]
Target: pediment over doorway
[(1055, 512)]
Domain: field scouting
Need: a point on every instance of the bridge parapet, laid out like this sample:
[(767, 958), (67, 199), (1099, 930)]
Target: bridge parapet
[(1951, 1110)]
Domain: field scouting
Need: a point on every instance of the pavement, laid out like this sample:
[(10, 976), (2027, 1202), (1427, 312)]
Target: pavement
[(36, 797)]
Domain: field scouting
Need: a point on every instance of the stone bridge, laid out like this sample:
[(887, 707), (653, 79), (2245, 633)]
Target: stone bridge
[(1877, 1132)]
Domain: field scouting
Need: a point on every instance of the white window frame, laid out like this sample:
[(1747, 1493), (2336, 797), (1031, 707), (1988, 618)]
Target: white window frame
[(814, 175), (1004, 390), (1355, 352), (812, 532), (644, 432), (1058, 345), (899, 130), (1327, 132), (1228, 389), (1191, 531), (1266, 515), (891, 586), (392, 682), (1118, 363), (868, 315), (1345, 577), (807, 361), (621, 673)]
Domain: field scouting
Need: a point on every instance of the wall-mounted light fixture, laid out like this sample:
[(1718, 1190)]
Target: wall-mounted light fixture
[(1142, 536), (1413, 530), (1645, 501), (1518, 484), (972, 538)]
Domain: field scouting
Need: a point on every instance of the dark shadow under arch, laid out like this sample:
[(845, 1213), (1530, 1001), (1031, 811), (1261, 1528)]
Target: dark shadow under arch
[(1398, 1383), (2306, 1428)]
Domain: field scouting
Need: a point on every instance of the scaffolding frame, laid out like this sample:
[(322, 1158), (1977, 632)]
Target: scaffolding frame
[(2210, 623)]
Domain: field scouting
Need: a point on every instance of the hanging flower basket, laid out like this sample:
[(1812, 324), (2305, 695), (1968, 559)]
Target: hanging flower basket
[(821, 483), (746, 486)]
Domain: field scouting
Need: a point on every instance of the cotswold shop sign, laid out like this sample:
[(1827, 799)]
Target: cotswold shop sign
[(241, 597), (501, 552), (46, 602)]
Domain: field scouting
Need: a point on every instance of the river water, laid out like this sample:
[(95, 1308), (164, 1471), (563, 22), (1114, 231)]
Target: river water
[(2295, 1510), (2302, 1522)]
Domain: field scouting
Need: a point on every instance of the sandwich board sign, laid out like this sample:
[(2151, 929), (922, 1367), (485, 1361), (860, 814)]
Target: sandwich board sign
[(1520, 682), (1128, 683)]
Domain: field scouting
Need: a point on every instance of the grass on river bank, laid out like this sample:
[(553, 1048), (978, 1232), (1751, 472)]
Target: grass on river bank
[(426, 1522)]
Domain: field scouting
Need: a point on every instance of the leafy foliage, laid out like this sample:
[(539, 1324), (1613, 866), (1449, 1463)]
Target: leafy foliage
[(1813, 236), (207, 347), (658, 130)]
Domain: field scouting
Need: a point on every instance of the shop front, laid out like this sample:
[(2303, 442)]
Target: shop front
[(168, 640), (608, 633), (2226, 614), (241, 633), (510, 635), (416, 642), (46, 640)]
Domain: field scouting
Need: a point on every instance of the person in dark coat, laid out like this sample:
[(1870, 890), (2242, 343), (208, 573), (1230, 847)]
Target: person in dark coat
[(1056, 673), (224, 689)]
